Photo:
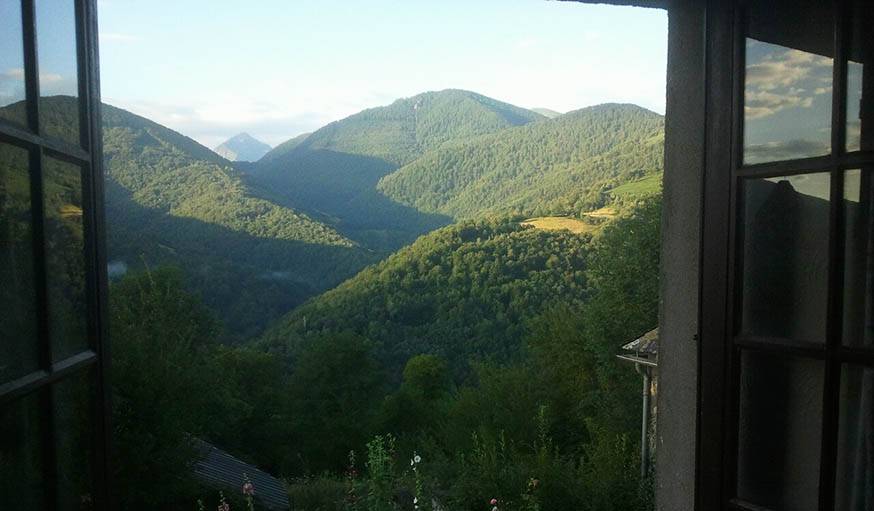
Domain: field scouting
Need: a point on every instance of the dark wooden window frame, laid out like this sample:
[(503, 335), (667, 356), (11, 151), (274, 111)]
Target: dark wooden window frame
[(721, 346), (88, 157)]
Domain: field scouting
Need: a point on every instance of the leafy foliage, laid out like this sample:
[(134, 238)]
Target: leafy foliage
[(559, 166), (463, 291)]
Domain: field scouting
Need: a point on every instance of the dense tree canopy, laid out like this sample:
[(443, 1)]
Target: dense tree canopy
[(560, 166), (463, 291)]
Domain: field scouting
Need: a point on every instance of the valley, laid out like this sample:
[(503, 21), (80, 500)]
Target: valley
[(448, 274)]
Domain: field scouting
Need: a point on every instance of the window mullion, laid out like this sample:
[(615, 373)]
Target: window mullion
[(834, 320)]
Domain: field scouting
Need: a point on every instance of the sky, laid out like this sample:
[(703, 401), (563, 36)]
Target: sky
[(276, 68)]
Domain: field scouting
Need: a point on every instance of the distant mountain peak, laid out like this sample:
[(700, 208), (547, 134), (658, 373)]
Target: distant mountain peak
[(242, 147)]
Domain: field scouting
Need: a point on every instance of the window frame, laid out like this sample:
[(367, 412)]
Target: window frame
[(88, 156), (721, 343)]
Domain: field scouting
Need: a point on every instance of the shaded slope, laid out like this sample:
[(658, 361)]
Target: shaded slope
[(335, 170)]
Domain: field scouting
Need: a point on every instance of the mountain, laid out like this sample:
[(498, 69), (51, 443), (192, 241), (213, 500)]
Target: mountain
[(546, 112), (334, 171), (283, 148), (561, 166), (462, 291), (172, 201), (242, 147)]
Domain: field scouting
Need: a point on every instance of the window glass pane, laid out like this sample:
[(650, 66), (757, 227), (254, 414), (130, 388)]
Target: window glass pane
[(788, 80), (855, 468), (21, 472), (779, 431), (65, 257), (74, 441), (858, 329), (18, 332), (11, 64), (58, 81), (785, 256), (787, 103), (858, 84)]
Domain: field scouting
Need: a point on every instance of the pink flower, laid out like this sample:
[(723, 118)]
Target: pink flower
[(493, 502), (248, 488)]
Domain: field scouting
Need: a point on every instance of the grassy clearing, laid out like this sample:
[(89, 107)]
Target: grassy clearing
[(605, 213), (557, 223), (646, 186)]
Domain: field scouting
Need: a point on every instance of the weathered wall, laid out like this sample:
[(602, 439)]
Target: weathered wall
[(678, 322)]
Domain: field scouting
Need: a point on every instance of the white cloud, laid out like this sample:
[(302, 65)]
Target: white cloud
[(787, 68), (12, 74), (763, 103)]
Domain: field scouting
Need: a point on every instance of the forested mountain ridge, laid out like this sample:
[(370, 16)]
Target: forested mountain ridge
[(164, 170), (334, 171), (283, 148), (462, 291), (172, 201), (558, 166), (402, 131)]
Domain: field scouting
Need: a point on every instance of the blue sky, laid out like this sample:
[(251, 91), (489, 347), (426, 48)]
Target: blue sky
[(211, 69)]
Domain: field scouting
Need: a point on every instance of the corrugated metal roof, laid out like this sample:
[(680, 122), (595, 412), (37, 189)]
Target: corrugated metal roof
[(646, 344), (219, 469)]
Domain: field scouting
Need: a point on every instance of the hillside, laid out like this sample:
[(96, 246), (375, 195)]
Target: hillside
[(172, 201), (546, 112), (463, 291), (242, 147), (559, 166), (283, 148), (334, 171)]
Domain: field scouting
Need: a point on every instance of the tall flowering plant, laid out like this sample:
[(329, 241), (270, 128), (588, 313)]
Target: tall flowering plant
[(249, 493), (420, 485), (223, 504), (351, 478)]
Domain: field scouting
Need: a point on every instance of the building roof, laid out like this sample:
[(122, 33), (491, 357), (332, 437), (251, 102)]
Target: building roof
[(646, 344), (642, 351), (219, 469)]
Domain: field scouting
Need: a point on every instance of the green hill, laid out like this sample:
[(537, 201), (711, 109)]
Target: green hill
[(559, 166), (172, 201), (546, 112), (283, 148), (463, 291), (335, 170)]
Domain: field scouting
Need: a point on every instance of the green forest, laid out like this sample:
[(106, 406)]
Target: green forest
[(366, 312)]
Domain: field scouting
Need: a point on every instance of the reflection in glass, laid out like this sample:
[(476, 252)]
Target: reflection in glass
[(21, 475), (860, 125), (11, 64), (58, 81), (858, 329), (854, 102), (73, 441), (65, 257), (787, 103), (18, 332), (779, 431), (855, 468), (785, 257)]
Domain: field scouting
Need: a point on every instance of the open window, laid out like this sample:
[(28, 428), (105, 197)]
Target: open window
[(52, 399), (786, 313)]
